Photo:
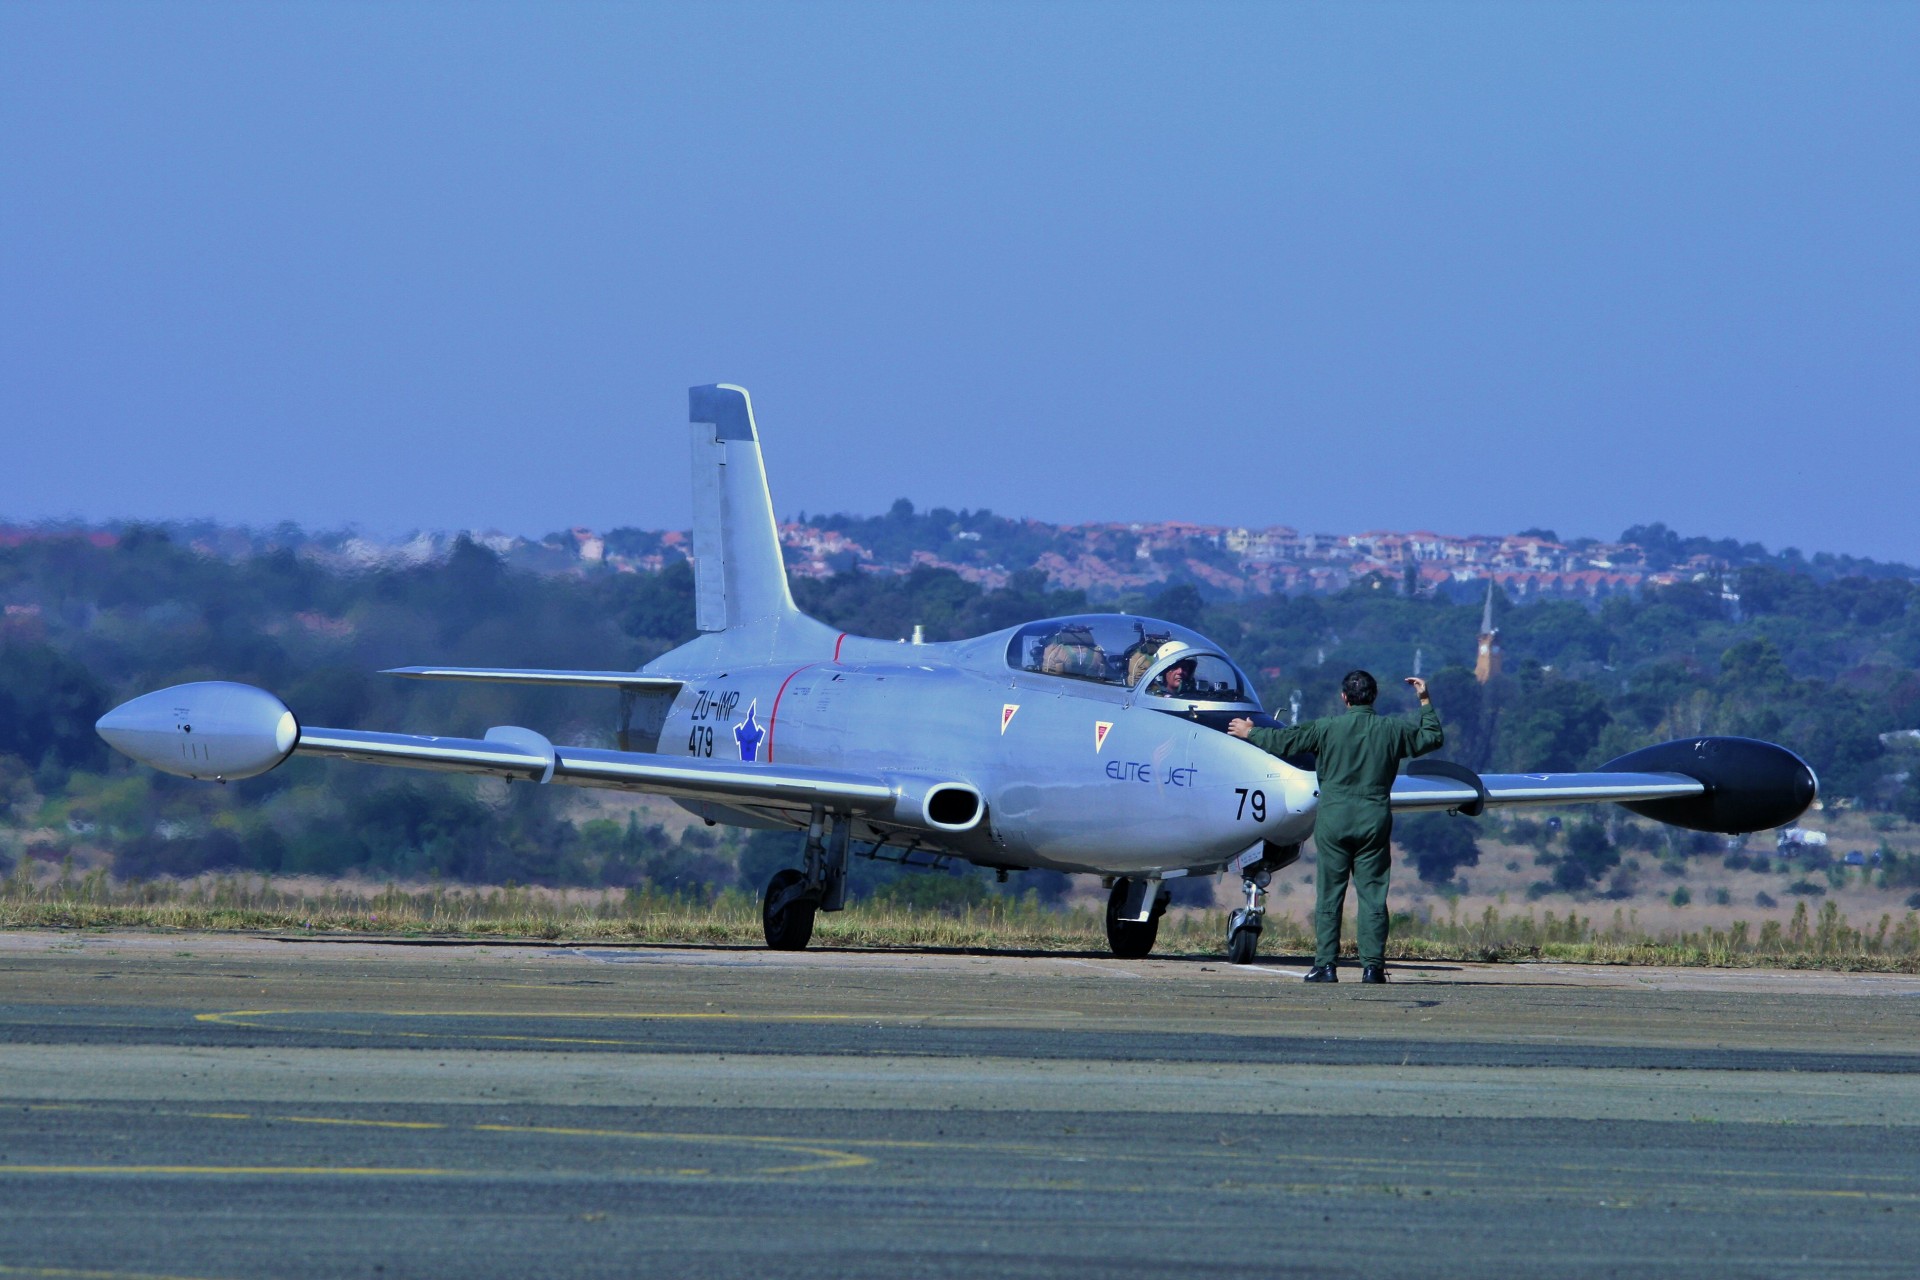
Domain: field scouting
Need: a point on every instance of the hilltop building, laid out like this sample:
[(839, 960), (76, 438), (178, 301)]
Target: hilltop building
[(1487, 664)]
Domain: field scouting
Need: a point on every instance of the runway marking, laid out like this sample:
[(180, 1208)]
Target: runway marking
[(1349, 1175), (233, 1170), (830, 1159), (72, 1273), (823, 1158), (250, 1018), (1105, 970), (343, 1120)]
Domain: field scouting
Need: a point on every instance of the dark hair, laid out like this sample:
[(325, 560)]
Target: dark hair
[(1360, 688)]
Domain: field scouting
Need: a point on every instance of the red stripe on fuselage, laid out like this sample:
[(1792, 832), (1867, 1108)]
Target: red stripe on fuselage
[(773, 716), (836, 646)]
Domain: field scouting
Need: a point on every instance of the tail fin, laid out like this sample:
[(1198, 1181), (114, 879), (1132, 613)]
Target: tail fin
[(739, 575)]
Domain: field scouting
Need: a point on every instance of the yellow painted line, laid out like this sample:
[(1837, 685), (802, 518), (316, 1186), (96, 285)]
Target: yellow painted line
[(828, 1157), (253, 1019), (70, 1273), (824, 1158), (616, 1015), (342, 1120), (228, 1170), (359, 1124)]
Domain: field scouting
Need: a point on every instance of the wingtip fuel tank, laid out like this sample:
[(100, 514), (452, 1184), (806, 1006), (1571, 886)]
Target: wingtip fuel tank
[(211, 729), (1750, 785)]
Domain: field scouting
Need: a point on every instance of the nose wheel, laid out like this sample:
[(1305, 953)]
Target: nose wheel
[(1257, 867), (1244, 925)]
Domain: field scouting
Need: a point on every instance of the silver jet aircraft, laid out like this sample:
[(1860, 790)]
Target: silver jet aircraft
[(1093, 744)]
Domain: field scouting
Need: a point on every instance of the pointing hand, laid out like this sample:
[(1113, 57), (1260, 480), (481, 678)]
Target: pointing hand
[(1419, 687), (1240, 728)]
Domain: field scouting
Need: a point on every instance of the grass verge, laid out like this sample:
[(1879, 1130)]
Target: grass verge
[(1826, 940)]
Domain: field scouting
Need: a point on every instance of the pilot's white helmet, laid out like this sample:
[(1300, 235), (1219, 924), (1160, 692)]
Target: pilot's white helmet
[(1169, 649)]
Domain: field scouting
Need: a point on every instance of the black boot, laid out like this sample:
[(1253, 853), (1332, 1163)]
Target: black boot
[(1322, 973), (1374, 973)]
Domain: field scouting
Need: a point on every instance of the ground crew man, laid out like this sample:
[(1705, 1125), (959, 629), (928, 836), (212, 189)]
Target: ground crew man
[(1358, 753)]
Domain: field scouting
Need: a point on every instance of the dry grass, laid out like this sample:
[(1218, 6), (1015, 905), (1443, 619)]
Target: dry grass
[(252, 904)]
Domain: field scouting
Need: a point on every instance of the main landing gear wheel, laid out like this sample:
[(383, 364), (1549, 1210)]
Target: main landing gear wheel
[(787, 911), (1132, 939), (1243, 936)]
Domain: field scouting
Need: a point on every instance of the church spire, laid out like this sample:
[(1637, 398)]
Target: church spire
[(1486, 665)]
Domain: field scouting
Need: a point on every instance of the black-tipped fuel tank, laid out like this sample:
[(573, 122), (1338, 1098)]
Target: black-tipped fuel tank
[(1751, 785)]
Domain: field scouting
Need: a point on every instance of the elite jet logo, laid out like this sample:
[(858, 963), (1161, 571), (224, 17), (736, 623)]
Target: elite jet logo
[(1006, 714), (1101, 728), (748, 734)]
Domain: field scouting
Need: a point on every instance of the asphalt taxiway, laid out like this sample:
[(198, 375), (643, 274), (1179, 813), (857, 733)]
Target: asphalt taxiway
[(240, 1107)]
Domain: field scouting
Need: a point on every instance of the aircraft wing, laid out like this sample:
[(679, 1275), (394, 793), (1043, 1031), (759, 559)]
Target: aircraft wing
[(222, 730), (626, 680), (525, 755), (1414, 792), (1727, 785)]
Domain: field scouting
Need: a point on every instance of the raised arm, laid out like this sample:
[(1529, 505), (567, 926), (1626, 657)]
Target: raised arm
[(1425, 734)]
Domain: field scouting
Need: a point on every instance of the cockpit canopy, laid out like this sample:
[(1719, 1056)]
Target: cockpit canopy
[(1160, 659)]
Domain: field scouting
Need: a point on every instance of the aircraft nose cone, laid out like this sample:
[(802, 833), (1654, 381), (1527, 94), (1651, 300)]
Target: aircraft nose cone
[(1288, 797), (212, 729), (119, 727)]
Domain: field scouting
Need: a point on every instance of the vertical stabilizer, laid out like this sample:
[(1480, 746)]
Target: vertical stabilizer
[(739, 575)]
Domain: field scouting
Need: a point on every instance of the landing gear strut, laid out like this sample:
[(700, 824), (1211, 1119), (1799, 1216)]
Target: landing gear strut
[(1243, 926), (1133, 918), (794, 895), (1256, 873)]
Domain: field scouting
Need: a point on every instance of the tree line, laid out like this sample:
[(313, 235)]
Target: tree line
[(1825, 666)]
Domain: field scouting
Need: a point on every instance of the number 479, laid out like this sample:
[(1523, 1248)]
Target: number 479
[(1254, 801)]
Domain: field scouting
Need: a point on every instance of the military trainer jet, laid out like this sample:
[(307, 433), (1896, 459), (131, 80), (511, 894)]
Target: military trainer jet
[(1092, 744)]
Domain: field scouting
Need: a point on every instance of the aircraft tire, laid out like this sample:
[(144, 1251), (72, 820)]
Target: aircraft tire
[(1129, 939), (787, 918), (1243, 944)]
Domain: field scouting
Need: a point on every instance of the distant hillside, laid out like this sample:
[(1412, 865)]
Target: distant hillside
[(1105, 560)]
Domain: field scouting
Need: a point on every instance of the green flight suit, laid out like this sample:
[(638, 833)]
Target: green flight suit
[(1359, 753)]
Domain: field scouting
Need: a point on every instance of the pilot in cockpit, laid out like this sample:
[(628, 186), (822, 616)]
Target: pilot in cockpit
[(1177, 680)]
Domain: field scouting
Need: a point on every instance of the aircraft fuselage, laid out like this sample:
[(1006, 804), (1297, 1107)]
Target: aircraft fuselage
[(1076, 776)]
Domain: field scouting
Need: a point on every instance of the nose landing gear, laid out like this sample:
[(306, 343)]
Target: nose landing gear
[(1243, 926), (1256, 872)]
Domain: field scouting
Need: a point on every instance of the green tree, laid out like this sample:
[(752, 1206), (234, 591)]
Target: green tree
[(1589, 856), (48, 703), (1440, 844), (1550, 724)]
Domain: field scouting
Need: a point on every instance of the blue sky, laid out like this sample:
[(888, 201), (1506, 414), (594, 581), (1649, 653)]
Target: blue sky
[(1462, 267)]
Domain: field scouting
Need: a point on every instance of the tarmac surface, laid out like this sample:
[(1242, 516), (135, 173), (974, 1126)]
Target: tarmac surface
[(251, 1107)]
